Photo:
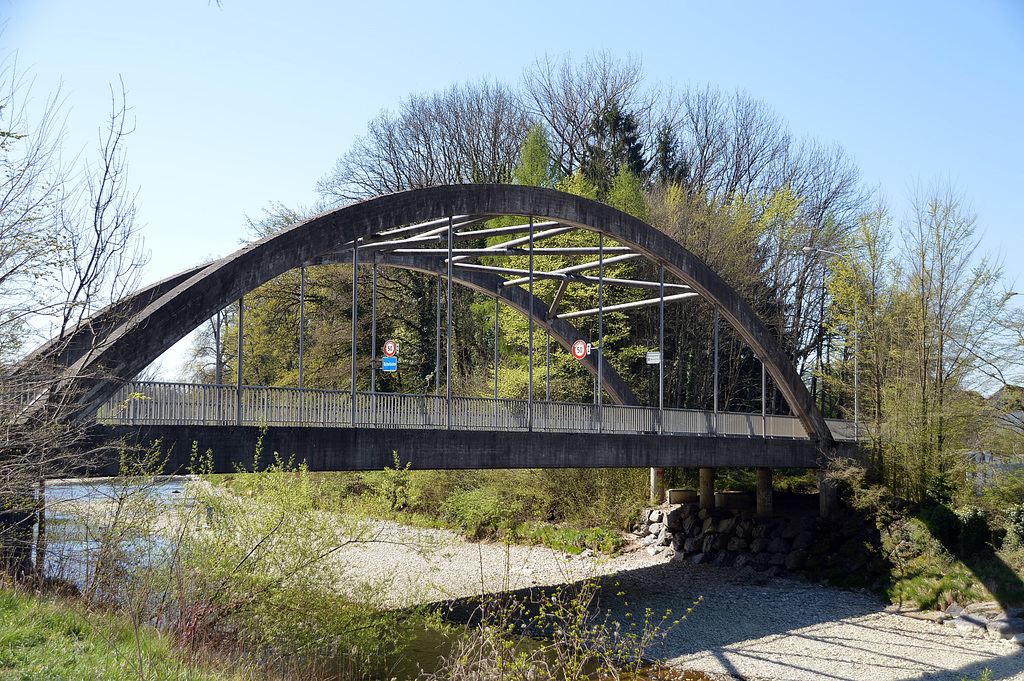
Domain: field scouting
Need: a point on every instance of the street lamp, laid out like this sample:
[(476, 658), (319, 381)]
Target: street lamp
[(856, 339)]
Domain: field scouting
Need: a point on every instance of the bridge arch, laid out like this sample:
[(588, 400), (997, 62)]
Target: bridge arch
[(184, 302)]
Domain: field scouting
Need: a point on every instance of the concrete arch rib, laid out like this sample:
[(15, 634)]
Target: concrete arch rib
[(130, 347)]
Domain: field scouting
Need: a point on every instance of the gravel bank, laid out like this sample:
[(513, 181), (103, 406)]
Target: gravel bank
[(782, 630)]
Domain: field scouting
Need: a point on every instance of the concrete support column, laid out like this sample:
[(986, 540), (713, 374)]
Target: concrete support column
[(828, 495), (764, 492), (707, 487), (657, 485)]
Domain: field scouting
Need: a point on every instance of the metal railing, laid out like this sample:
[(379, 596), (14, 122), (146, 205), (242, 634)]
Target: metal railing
[(146, 403)]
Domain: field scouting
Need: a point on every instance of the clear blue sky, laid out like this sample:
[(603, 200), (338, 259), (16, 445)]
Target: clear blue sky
[(252, 102)]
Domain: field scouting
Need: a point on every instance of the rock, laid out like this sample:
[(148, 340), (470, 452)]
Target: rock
[(668, 552), (655, 516), (971, 625), (674, 519), (796, 559), (690, 510), (981, 607), (803, 541), (738, 545), (648, 540), (726, 524), (745, 529), (743, 560), (654, 550), (702, 558), (693, 544), (713, 542), (777, 559), (724, 559), (955, 610), (710, 525), (759, 545), (692, 525), (664, 537), (760, 561), (796, 527), (1018, 639), (762, 531), (773, 571), (779, 545), (1005, 628), (656, 528), (678, 541)]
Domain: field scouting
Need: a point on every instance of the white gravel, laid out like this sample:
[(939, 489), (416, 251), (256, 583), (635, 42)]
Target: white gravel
[(784, 630)]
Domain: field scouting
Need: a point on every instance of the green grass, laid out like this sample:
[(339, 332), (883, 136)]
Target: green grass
[(44, 639)]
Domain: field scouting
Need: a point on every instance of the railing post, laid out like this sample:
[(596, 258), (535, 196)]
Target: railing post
[(529, 406), (355, 321), (238, 378), (448, 363)]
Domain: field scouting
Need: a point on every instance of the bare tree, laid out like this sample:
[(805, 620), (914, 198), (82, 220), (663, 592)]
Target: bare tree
[(469, 133), (70, 244)]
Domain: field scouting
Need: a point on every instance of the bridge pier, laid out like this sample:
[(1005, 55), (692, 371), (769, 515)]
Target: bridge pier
[(707, 487), (764, 492), (657, 486)]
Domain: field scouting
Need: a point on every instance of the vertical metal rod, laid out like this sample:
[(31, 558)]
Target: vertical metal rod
[(448, 367), (496, 330), (715, 423), (302, 323), (216, 349), (661, 355), (600, 333), (373, 341), (355, 321), (238, 374), (547, 392), (529, 403), (764, 403), (437, 342)]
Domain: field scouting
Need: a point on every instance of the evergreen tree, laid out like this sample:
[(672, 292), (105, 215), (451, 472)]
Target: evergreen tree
[(614, 144)]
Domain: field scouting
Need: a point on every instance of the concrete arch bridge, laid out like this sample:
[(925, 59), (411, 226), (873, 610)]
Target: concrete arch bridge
[(427, 230)]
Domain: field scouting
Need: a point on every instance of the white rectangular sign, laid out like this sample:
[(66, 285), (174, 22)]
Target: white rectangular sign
[(654, 357)]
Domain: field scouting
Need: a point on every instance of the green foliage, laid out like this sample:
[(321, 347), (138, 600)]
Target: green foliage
[(974, 532), (48, 638), (536, 166), (1014, 538), (390, 489)]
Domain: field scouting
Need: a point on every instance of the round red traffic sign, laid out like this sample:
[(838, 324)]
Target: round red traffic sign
[(390, 348), (579, 349)]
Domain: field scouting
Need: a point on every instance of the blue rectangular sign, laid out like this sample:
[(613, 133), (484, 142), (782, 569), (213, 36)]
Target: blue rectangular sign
[(389, 364)]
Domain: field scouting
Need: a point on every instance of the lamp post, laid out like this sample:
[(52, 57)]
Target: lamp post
[(856, 340)]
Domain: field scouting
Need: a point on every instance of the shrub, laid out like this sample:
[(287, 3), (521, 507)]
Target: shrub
[(974, 534), (1014, 528)]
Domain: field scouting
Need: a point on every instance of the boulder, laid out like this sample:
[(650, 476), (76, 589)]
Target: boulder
[(693, 544), (776, 559), (981, 607), (796, 559), (796, 527), (655, 516), (773, 571), (713, 542), (779, 545), (745, 529), (955, 610), (738, 545), (1005, 628), (726, 524), (703, 558), (656, 528), (674, 519), (971, 625), (724, 559), (759, 545), (648, 540), (710, 525), (761, 561), (692, 525), (743, 560), (664, 537), (803, 541)]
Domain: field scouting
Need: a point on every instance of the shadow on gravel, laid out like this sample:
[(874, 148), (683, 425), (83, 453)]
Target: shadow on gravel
[(796, 629)]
